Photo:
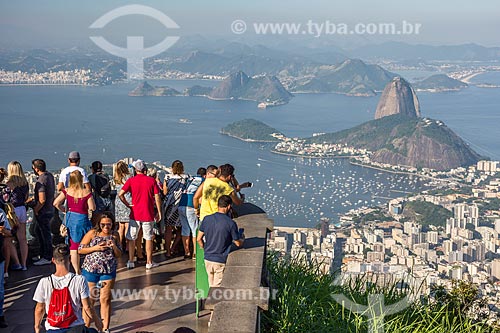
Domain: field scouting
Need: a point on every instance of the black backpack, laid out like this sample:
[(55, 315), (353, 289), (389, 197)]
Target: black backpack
[(100, 185)]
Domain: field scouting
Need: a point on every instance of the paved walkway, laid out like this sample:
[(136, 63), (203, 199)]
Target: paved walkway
[(159, 300)]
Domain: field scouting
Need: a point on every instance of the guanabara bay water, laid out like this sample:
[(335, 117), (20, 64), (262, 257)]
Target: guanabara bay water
[(103, 123)]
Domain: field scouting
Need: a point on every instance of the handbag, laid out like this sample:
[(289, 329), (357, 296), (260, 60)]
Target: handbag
[(63, 230)]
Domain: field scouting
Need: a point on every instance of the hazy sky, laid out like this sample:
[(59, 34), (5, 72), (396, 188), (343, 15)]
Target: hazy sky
[(38, 23)]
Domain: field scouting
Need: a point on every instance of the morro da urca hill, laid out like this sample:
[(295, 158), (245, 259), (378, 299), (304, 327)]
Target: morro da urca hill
[(400, 139), (252, 130), (398, 97), (264, 89)]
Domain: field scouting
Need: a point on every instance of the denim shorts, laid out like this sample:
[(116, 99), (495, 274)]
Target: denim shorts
[(189, 220), (96, 277)]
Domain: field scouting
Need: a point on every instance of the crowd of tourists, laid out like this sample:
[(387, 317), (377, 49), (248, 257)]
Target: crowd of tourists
[(102, 218)]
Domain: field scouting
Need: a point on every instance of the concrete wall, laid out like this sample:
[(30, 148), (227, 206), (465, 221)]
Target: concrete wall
[(243, 293)]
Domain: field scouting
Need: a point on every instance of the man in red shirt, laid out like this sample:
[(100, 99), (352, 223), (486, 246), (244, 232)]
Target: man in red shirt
[(144, 193)]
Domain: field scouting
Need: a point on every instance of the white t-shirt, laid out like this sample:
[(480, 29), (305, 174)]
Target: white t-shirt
[(64, 176), (78, 289)]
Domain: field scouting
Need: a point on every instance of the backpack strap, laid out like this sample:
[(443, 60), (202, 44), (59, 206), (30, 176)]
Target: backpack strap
[(52, 282), (71, 280)]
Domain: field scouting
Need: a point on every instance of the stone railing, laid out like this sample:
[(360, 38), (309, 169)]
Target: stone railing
[(243, 294)]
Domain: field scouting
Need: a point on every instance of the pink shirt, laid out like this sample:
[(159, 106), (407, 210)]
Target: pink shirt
[(77, 205), (143, 189)]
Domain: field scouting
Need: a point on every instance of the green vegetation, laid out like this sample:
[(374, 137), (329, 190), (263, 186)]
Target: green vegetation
[(304, 303), (440, 82), (399, 139), (447, 191), (251, 130), (488, 204), (352, 77), (426, 213), (376, 216), (373, 134)]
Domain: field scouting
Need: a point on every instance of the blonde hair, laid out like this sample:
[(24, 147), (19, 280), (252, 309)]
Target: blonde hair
[(121, 172), (76, 180), (16, 175), (11, 215)]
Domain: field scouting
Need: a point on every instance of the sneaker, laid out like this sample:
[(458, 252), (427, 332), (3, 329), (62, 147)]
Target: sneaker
[(24, 268), (3, 323), (5, 275), (35, 258), (42, 262), (152, 265), (130, 264), (16, 267), (106, 330)]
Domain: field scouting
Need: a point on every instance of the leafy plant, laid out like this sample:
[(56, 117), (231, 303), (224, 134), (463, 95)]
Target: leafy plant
[(304, 303)]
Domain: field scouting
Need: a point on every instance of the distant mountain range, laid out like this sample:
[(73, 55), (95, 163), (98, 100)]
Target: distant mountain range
[(351, 77), (322, 67), (439, 83), (404, 51), (262, 89)]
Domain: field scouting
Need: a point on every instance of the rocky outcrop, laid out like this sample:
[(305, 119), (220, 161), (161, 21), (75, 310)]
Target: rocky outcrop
[(145, 89), (398, 97), (265, 89)]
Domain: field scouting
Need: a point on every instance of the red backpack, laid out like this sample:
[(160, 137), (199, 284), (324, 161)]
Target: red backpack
[(61, 313)]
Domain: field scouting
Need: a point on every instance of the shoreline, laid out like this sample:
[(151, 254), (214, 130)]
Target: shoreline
[(246, 140), (401, 172), (46, 84), (308, 156)]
